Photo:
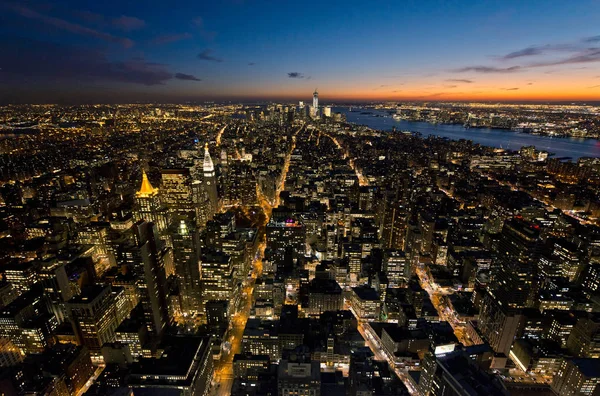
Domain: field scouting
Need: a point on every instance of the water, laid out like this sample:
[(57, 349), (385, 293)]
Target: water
[(502, 138)]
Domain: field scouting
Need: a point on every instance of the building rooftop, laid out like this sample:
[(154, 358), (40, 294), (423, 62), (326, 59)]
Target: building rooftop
[(588, 366), (366, 293)]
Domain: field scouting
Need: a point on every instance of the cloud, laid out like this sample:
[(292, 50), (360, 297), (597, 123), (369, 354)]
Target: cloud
[(460, 80), (186, 77), (509, 89), (588, 55), (529, 51), (171, 38), (577, 54), (56, 63), (593, 39), (127, 23), (594, 86), (295, 75), (529, 83), (488, 69), (381, 86), (251, 63), (450, 86), (69, 26), (208, 56)]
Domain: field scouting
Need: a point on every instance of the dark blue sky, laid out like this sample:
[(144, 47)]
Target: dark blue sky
[(57, 51)]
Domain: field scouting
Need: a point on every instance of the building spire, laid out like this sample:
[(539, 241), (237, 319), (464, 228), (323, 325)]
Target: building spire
[(208, 166), (146, 188)]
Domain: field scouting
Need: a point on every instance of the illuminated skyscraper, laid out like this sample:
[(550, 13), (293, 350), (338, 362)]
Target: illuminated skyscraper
[(210, 181), (149, 269), (314, 110), (217, 276), (147, 204), (186, 259), (176, 192)]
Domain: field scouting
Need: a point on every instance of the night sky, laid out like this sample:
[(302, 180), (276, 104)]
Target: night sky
[(122, 51)]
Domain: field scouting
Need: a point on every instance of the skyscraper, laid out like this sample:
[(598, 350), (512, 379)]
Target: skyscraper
[(147, 204), (216, 271), (176, 192), (151, 277), (315, 106), (210, 181), (516, 281), (186, 259)]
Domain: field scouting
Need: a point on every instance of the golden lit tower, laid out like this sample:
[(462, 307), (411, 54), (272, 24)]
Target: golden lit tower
[(147, 204)]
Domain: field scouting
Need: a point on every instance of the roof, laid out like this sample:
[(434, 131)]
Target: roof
[(146, 188), (178, 359), (366, 293), (589, 367)]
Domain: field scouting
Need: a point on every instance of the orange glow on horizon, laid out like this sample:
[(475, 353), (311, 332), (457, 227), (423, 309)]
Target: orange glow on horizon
[(496, 87)]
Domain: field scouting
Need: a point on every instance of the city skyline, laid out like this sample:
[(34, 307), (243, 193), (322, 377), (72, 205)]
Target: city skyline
[(72, 52)]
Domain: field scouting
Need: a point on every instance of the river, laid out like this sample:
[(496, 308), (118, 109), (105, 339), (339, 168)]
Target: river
[(574, 148)]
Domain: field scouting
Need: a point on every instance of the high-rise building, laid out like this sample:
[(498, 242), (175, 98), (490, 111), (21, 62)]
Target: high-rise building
[(216, 272), (515, 281), (299, 375), (148, 204), (324, 295), (184, 368), (314, 109), (577, 377), (93, 315), (151, 277), (397, 267), (210, 181), (499, 324), (455, 373), (584, 340), (186, 254), (176, 191), (286, 239)]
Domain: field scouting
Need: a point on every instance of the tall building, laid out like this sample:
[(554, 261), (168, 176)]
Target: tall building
[(210, 181), (299, 375), (216, 276), (148, 204), (584, 340), (516, 282), (397, 267), (499, 324), (314, 110), (455, 373), (93, 315), (323, 295), (577, 377), (186, 254), (184, 368), (176, 190), (202, 204), (151, 277), (286, 239)]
